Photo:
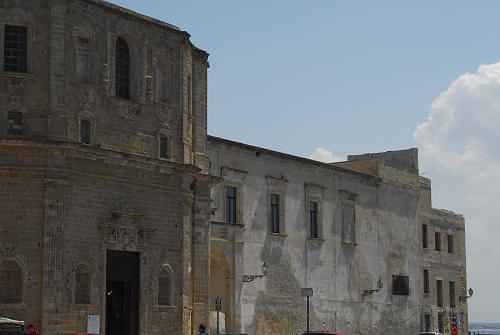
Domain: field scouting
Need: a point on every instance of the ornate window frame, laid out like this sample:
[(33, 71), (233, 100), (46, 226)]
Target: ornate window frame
[(235, 178), (86, 111), (348, 202), (75, 272), (314, 193), (16, 16), (85, 31), (11, 252), (137, 66), (161, 59), (164, 133), (168, 268), (276, 186)]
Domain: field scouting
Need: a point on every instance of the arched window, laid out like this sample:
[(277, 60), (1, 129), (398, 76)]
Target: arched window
[(82, 285), (165, 292), (122, 71), (11, 282)]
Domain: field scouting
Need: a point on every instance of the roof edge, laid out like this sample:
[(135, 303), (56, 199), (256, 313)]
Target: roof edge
[(292, 157)]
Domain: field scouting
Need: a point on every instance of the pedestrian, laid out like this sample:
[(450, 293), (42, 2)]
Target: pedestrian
[(30, 330), (202, 329), (454, 330)]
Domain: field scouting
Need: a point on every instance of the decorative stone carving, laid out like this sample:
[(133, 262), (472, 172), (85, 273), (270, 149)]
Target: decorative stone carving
[(149, 89), (8, 250), (85, 29), (16, 89), (128, 237), (164, 114), (105, 78), (125, 230), (16, 14), (86, 99), (189, 129), (127, 111)]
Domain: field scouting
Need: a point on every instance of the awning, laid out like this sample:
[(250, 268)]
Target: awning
[(11, 322)]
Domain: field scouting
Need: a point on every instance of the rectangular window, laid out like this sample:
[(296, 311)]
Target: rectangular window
[(441, 322), (439, 292), (164, 147), (348, 228), (427, 322), (452, 294), (400, 285), (231, 204), (85, 131), (426, 281), (14, 123), (313, 219), (275, 213), (425, 237), (437, 241), (450, 244), (15, 49)]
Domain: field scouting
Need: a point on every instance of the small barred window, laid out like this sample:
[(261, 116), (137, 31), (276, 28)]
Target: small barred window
[(82, 285)]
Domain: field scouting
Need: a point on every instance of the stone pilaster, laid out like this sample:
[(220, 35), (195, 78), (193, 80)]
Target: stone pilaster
[(53, 263), (201, 251), (187, 282), (57, 121)]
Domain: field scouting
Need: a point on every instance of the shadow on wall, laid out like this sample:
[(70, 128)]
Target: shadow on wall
[(279, 310)]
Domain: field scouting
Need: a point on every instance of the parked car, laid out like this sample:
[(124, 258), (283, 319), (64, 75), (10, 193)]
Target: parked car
[(321, 332), (429, 333), (11, 327)]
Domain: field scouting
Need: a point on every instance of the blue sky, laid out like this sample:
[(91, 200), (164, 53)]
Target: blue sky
[(360, 76)]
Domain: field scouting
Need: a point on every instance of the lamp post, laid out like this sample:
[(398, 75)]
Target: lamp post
[(249, 278), (380, 284), (218, 306)]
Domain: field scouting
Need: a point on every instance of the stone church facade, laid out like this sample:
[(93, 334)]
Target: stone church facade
[(115, 203), (105, 192)]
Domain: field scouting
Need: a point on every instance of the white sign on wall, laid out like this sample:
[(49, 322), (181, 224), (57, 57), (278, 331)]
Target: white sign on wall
[(93, 324)]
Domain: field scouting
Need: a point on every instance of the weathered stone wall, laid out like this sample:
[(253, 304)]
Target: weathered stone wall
[(442, 264), (386, 243)]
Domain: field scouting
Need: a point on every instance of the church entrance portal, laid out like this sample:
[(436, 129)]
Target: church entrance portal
[(122, 293)]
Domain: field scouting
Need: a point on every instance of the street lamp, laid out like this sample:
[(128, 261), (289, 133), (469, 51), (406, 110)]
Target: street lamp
[(463, 298), (249, 278), (380, 284)]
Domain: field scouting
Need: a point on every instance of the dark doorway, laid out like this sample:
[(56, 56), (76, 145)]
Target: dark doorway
[(122, 293)]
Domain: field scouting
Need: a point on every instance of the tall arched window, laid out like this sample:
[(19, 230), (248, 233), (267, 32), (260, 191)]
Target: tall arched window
[(11, 282), (165, 291), (82, 284), (122, 71)]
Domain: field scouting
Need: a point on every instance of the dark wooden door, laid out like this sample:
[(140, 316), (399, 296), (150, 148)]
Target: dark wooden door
[(122, 300)]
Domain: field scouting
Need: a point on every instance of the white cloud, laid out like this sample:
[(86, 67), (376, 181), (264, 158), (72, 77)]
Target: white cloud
[(459, 146), (324, 155)]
